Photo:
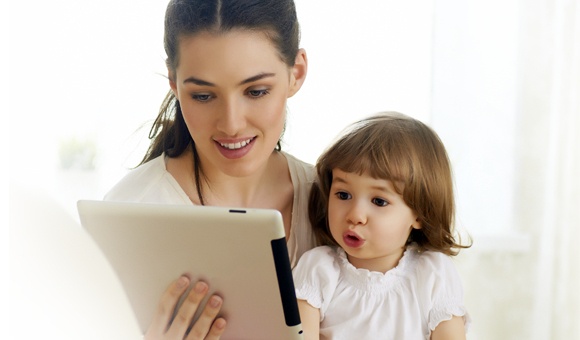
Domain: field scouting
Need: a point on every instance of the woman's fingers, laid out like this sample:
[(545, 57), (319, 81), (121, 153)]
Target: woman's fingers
[(187, 311), (216, 329), (205, 327), (166, 307)]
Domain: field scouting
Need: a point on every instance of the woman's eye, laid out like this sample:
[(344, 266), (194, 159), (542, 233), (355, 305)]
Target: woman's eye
[(202, 97), (343, 195), (380, 202), (257, 93)]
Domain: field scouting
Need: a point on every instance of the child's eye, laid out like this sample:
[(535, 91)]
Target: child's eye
[(379, 202), (343, 195), (257, 93)]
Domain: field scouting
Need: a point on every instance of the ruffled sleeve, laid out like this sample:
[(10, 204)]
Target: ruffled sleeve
[(316, 277), (441, 289)]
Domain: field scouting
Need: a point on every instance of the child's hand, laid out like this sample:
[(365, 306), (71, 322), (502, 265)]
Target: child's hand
[(310, 319)]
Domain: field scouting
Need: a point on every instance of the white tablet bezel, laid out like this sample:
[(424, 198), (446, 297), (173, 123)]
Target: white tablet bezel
[(240, 253)]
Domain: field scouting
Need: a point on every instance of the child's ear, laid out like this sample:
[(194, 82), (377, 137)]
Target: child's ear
[(417, 224)]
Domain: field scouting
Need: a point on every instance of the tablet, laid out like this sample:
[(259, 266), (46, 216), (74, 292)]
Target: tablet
[(240, 253)]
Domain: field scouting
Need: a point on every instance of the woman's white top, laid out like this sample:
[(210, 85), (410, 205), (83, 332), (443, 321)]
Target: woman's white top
[(407, 302), (152, 183)]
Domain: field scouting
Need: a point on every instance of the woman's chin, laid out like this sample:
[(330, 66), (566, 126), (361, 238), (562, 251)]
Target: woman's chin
[(245, 166)]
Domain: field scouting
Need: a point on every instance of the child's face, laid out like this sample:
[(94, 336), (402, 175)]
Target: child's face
[(369, 220)]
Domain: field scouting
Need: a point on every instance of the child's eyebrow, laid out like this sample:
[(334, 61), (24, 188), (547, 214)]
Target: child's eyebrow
[(376, 187), (383, 188)]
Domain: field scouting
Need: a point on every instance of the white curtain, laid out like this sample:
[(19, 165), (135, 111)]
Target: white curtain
[(506, 102)]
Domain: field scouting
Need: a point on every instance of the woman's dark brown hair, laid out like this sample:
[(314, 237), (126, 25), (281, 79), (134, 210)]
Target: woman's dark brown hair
[(186, 18), (408, 153)]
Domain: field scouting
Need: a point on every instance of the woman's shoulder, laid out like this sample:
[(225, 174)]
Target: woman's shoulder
[(149, 182), (301, 238), (303, 171)]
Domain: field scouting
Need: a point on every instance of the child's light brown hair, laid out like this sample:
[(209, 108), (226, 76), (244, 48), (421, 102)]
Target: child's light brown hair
[(408, 153)]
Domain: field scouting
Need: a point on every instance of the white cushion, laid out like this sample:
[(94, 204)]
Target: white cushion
[(61, 285)]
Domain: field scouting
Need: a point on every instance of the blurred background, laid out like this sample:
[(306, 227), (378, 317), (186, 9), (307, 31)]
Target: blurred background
[(499, 80)]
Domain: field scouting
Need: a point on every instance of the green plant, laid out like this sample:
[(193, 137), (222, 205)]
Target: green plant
[(74, 153)]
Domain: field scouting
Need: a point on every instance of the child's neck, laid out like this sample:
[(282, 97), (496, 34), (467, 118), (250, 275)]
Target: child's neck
[(377, 264)]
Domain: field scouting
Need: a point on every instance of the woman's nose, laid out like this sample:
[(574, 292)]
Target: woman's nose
[(356, 214), (232, 118)]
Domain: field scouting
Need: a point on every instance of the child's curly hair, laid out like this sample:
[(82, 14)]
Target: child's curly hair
[(408, 153)]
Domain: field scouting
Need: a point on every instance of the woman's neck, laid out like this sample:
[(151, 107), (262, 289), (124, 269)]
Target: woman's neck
[(248, 191), (256, 190)]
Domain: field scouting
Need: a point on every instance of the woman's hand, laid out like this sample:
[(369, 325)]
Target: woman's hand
[(204, 328)]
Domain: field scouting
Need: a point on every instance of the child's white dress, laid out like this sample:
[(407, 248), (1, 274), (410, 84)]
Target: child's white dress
[(407, 302)]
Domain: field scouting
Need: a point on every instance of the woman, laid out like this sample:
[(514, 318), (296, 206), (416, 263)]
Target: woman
[(232, 64)]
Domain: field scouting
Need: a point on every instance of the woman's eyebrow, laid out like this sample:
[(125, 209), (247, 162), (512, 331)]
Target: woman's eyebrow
[(198, 82), (256, 77)]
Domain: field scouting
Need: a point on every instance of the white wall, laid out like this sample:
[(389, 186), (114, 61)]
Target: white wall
[(96, 73)]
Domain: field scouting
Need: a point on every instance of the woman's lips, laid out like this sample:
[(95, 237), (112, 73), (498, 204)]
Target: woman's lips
[(352, 239), (231, 149)]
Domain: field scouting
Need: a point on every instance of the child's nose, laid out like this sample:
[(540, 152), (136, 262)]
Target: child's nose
[(356, 215)]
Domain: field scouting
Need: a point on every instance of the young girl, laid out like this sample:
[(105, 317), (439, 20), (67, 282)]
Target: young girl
[(383, 210)]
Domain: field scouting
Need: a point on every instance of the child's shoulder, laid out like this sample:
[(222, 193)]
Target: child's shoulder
[(435, 269), (320, 254), (438, 288), (318, 267), (433, 260), (323, 259)]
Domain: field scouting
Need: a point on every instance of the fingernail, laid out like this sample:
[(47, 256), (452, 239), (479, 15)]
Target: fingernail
[(220, 323), (181, 282), (200, 287), (214, 302)]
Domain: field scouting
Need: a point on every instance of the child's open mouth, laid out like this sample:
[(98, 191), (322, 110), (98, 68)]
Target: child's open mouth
[(352, 239)]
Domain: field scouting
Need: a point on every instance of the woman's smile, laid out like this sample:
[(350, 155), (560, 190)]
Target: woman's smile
[(235, 144), (235, 148), (232, 90)]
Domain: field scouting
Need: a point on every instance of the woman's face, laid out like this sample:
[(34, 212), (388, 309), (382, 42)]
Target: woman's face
[(232, 89)]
